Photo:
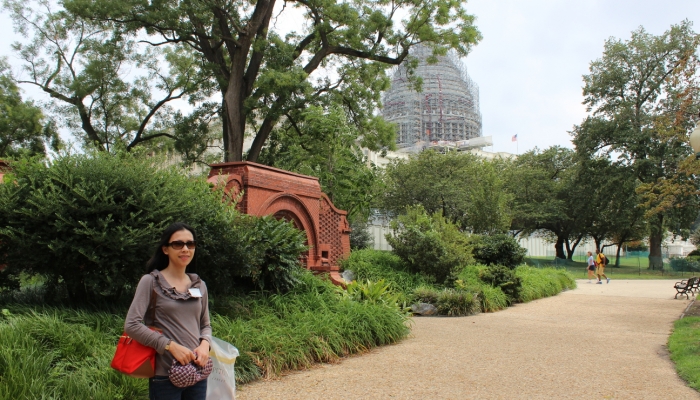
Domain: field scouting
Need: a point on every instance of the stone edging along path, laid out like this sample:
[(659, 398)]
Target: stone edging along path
[(595, 342)]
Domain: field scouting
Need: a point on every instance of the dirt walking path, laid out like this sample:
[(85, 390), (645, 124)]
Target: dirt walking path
[(596, 342)]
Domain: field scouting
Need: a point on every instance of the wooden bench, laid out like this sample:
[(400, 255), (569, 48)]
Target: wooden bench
[(685, 286), (696, 286)]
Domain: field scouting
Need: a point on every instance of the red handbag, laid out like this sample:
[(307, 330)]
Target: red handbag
[(133, 358)]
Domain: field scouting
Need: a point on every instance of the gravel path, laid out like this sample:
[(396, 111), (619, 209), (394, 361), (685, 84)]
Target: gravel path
[(596, 342)]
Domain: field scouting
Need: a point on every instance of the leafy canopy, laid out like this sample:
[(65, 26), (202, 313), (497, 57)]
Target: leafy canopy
[(24, 131), (643, 98), (337, 52)]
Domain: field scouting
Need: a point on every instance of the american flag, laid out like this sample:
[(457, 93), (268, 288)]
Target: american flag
[(515, 138)]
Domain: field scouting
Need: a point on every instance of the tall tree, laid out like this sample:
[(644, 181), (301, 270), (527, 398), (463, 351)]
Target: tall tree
[(612, 209), (23, 128), (110, 90), (324, 144), (340, 47), (547, 199), (642, 94), (465, 189)]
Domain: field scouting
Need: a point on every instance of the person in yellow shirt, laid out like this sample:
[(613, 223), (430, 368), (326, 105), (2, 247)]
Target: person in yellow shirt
[(601, 261)]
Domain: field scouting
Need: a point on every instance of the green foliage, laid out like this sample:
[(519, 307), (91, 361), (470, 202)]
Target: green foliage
[(491, 298), (275, 259), (642, 98), (89, 223), (466, 189), (684, 346), (375, 265), (23, 129), (547, 197), (542, 282), (360, 236), (58, 353), (429, 244), (106, 86), (689, 263), (378, 292), (265, 75), (501, 249), (504, 278), (449, 302), (62, 354), (311, 323), (324, 143)]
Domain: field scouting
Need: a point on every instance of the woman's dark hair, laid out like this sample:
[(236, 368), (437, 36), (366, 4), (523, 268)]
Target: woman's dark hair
[(160, 260)]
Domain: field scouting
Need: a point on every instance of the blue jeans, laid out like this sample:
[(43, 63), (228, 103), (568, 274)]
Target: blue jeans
[(160, 388)]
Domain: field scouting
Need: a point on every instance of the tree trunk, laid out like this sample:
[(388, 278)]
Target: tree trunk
[(559, 248), (224, 127), (655, 238), (570, 251), (597, 243), (617, 255), (235, 120)]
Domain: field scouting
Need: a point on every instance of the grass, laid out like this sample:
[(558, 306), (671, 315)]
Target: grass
[(630, 268), (543, 282), (684, 345), (62, 353)]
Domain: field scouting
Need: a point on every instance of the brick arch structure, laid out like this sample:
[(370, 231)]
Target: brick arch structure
[(291, 207), (271, 191)]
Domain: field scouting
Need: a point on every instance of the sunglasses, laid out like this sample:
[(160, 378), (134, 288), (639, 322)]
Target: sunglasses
[(179, 244)]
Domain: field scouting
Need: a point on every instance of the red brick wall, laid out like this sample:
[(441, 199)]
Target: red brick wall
[(272, 191)]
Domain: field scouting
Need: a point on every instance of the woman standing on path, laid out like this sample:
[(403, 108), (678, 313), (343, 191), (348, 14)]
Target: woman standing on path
[(591, 266), (181, 312)]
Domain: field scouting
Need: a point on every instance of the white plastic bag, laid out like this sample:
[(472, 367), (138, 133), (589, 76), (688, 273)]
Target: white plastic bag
[(221, 384)]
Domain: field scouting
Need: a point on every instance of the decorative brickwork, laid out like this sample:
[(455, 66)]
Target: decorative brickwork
[(297, 198)]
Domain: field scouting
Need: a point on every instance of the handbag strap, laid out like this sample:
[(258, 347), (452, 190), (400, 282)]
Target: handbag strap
[(152, 306)]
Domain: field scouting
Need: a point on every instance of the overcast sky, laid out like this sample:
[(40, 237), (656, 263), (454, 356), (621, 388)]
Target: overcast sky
[(530, 62)]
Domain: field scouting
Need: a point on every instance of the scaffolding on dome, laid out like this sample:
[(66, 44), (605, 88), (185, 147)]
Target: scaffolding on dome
[(447, 110)]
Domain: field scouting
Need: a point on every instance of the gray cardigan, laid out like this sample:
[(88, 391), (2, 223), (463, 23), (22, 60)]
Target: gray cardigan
[(183, 319)]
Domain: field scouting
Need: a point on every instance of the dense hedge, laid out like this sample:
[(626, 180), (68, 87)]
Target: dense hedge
[(88, 224)]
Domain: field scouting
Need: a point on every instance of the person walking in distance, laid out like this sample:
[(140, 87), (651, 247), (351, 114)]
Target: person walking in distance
[(591, 266), (601, 261)]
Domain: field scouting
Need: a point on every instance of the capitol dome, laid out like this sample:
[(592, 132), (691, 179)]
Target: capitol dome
[(447, 109)]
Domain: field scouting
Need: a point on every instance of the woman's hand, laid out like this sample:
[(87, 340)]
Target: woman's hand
[(182, 354), (202, 353)]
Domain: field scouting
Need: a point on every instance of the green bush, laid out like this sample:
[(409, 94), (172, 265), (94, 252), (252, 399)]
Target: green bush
[(88, 223), (426, 294), (686, 264), (429, 244), (504, 278), (275, 259), (360, 236), (456, 303), (543, 282), (500, 249), (374, 265), (491, 298), (450, 302), (371, 292)]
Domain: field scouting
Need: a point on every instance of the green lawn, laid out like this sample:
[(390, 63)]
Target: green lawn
[(630, 268), (684, 345)]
